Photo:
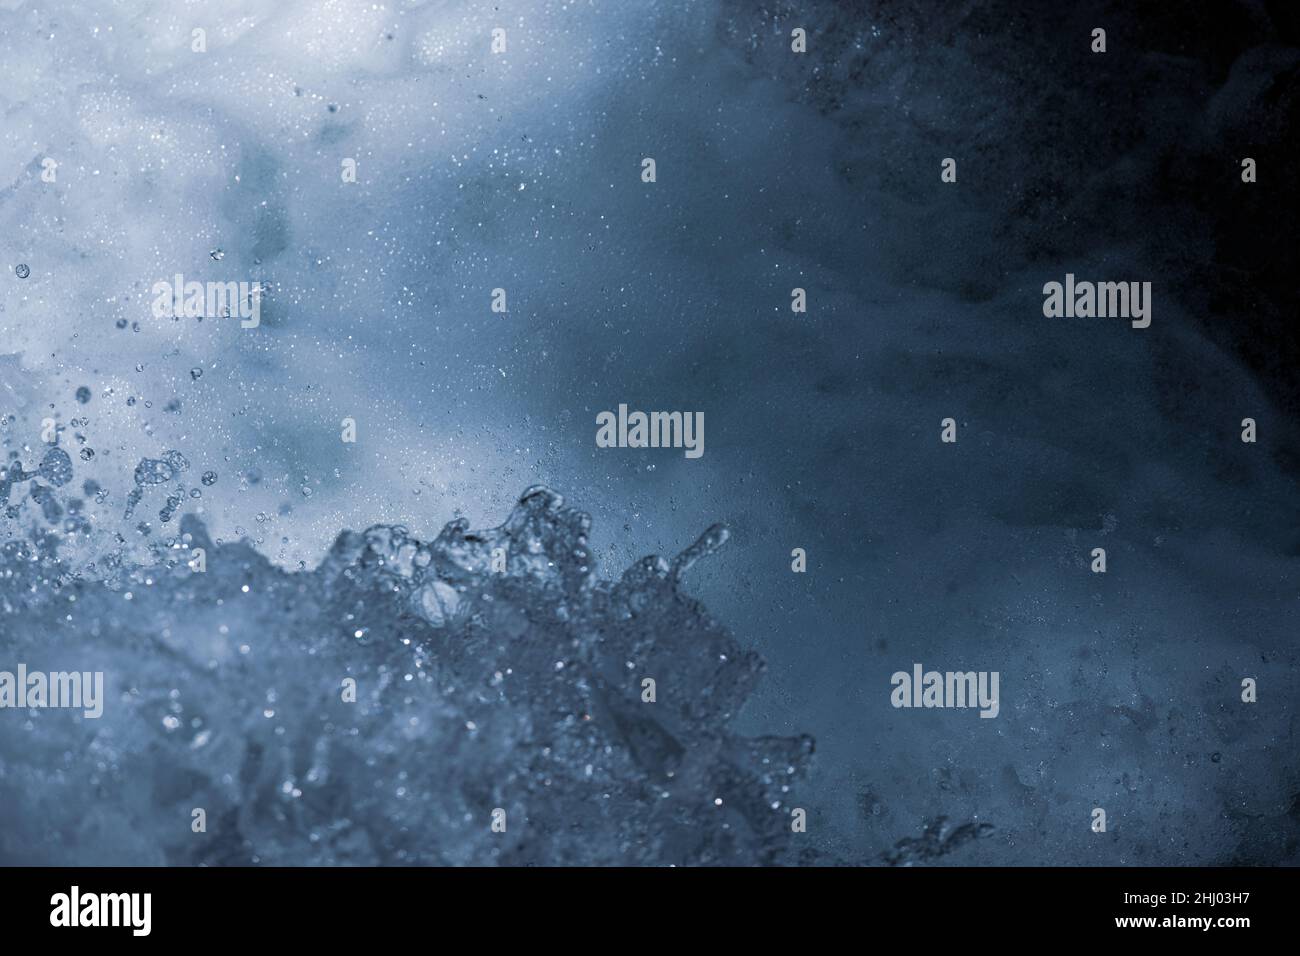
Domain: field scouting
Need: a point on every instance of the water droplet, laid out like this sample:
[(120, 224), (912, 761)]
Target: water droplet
[(709, 542), (56, 467), (151, 471), (177, 461)]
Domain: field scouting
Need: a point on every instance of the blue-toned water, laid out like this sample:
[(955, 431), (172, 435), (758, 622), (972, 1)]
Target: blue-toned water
[(510, 681), (380, 172)]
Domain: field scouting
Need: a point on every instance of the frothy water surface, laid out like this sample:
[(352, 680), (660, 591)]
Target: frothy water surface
[(476, 689)]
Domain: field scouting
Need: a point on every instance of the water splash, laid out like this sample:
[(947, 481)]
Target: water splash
[(938, 838), (158, 471), (493, 669)]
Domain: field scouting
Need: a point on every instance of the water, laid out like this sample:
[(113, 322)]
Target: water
[(518, 688), (817, 170), (56, 467)]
